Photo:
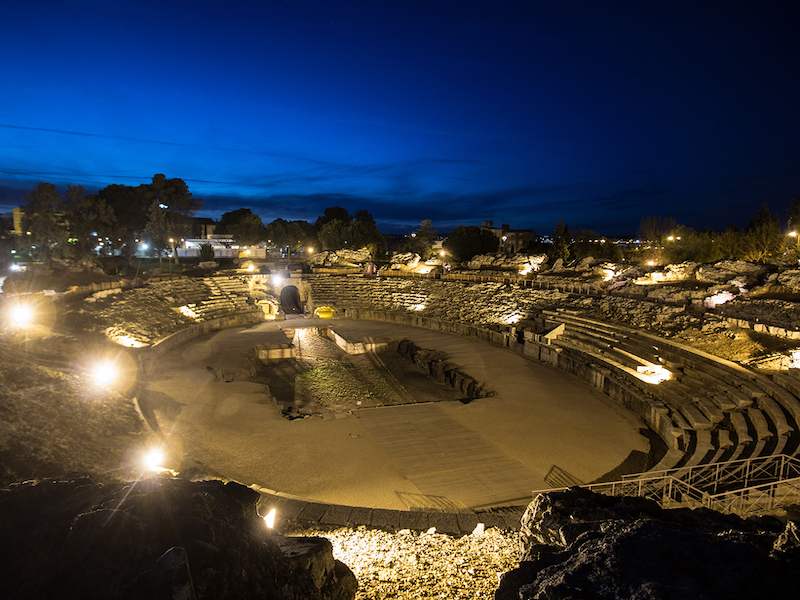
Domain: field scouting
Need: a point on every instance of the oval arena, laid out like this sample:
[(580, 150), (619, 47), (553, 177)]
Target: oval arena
[(574, 401)]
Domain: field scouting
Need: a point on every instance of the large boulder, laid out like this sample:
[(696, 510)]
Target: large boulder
[(790, 279), (519, 263), (730, 271), (578, 544), (155, 538), (340, 258)]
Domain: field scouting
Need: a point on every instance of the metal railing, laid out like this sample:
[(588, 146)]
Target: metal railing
[(739, 486)]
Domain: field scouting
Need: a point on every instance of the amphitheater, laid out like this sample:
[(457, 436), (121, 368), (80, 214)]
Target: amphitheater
[(728, 434)]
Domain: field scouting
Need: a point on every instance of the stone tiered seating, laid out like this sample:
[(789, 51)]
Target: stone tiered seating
[(711, 409), (706, 395)]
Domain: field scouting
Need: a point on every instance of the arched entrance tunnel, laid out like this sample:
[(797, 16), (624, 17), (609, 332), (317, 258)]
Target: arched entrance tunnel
[(490, 451), (291, 304)]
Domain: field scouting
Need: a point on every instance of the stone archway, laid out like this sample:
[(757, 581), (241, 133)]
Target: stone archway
[(291, 303)]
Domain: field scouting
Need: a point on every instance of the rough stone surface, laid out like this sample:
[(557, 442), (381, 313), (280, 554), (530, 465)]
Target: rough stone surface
[(340, 258), (578, 544), (156, 538), (506, 262)]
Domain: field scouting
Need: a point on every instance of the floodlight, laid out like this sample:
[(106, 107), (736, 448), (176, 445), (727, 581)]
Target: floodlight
[(153, 460), (21, 315), (104, 373), (269, 519)]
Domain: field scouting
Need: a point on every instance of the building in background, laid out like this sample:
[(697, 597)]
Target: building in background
[(511, 240)]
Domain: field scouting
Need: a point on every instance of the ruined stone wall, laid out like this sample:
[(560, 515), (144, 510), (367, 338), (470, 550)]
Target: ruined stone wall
[(483, 304)]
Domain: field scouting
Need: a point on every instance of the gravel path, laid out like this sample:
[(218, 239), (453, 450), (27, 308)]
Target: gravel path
[(423, 565)]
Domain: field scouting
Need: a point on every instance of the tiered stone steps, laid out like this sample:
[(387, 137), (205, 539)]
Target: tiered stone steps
[(725, 411)]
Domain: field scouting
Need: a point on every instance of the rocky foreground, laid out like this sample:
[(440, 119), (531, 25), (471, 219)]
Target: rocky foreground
[(578, 544), (156, 538)]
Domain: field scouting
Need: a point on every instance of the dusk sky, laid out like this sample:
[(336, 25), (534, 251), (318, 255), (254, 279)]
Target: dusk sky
[(521, 112)]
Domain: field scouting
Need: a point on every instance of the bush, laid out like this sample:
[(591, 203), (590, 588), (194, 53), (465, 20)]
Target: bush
[(206, 253)]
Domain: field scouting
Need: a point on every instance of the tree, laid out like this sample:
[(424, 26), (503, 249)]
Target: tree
[(686, 244), (333, 235), (421, 241), (465, 242), (561, 242), (655, 229), (278, 233), (156, 230), (206, 252), (303, 235), (794, 215), (87, 218), (231, 218), (729, 243), (129, 208), (332, 213), (43, 223), (174, 197), (763, 239), (364, 216), (248, 230)]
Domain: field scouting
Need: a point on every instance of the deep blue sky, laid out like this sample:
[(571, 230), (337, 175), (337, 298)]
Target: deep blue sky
[(597, 112)]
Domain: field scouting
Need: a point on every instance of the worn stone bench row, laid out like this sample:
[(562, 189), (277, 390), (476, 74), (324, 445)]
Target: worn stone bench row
[(762, 415)]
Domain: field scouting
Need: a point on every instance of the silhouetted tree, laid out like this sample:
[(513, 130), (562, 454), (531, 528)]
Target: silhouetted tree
[(248, 230), (763, 239), (421, 241), (278, 233), (231, 218), (43, 222), (86, 216), (561, 242), (174, 197), (655, 229), (156, 231), (364, 216), (465, 242), (332, 213)]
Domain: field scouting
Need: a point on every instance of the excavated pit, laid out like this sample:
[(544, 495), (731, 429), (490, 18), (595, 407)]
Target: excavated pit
[(321, 378)]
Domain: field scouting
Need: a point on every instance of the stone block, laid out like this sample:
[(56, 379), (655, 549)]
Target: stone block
[(337, 515), (312, 512), (360, 516), (467, 522), (445, 522), (388, 520), (491, 520), (414, 520)]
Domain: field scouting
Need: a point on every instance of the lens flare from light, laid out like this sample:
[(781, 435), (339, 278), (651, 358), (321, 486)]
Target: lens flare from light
[(269, 519), (104, 374), (21, 315), (153, 460)]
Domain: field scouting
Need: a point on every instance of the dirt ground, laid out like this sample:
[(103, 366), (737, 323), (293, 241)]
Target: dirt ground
[(326, 379)]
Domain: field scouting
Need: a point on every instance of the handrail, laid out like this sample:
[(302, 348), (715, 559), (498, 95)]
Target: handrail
[(673, 488)]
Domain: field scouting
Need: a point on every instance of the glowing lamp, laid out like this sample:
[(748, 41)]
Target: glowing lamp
[(21, 315), (104, 374), (153, 460), (269, 519), (277, 280)]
